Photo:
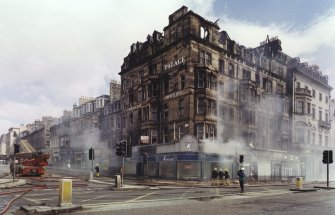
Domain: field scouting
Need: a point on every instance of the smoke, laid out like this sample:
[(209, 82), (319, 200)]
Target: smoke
[(216, 146)]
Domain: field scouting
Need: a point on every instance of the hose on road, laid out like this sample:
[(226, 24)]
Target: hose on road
[(11, 202)]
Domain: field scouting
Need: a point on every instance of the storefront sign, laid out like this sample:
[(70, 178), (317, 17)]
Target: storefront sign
[(174, 63), (166, 158)]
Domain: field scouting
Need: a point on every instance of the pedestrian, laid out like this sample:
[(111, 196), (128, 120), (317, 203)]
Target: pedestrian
[(241, 177), (226, 177), (221, 177), (214, 176), (97, 170)]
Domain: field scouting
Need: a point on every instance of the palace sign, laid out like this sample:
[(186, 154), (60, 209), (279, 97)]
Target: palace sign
[(174, 63)]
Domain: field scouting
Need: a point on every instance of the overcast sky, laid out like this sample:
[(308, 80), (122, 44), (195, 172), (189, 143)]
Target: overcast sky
[(54, 51)]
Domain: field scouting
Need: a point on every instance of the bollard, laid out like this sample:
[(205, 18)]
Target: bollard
[(65, 192), (298, 183), (117, 181)]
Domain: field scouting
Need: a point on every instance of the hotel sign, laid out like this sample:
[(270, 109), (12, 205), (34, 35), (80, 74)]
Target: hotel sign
[(174, 63)]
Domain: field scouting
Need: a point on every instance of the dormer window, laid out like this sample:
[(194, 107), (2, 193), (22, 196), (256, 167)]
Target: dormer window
[(204, 33)]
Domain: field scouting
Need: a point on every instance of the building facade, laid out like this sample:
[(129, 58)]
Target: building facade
[(193, 99), (311, 110)]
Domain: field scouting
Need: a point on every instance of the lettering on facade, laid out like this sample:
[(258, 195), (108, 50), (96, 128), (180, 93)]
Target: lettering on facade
[(167, 158), (174, 63), (175, 94), (134, 108)]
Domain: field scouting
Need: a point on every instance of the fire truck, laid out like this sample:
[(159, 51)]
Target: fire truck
[(29, 162)]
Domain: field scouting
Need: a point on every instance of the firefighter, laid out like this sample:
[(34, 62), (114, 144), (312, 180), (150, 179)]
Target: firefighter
[(241, 176), (214, 176), (97, 170)]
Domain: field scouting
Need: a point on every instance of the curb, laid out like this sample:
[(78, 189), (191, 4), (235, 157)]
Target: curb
[(46, 210), (304, 190), (327, 188)]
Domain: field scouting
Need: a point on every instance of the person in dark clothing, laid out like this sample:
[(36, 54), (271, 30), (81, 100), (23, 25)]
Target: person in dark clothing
[(241, 177), (221, 176), (214, 176)]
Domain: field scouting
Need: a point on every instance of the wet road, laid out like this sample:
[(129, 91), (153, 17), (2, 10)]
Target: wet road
[(99, 199), (308, 203)]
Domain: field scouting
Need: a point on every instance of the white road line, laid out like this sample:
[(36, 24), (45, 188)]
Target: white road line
[(32, 200), (140, 197), (99, 197), (185, 193)]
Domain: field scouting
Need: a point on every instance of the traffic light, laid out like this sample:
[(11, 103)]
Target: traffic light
[(241, 158), (91, 153), (16, 148), (327, 156), (118, 149), (123, 148)]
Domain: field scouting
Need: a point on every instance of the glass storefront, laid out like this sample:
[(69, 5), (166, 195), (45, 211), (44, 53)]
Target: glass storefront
[(152, 169), (167, 169), (189, 170)]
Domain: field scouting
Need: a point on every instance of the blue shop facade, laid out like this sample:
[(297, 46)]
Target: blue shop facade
[(187, 160)]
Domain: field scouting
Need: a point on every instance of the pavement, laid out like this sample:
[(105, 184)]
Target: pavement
[(9, 183)]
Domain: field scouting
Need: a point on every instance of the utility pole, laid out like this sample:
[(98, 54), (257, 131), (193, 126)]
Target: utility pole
[(122, 171)]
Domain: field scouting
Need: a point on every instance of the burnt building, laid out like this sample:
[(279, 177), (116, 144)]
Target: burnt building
[(194, 98)]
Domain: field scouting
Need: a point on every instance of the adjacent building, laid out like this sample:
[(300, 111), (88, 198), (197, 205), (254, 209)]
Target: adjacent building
[(311, 114)]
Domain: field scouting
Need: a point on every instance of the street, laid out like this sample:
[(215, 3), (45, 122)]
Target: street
[(99, 198)]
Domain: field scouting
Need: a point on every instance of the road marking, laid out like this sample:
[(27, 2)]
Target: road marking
[(99, 197), (32, 200), (187, 191), (141, 197)]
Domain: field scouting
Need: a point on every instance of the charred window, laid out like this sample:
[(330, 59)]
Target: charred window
[(201, 106), (182, 82), (201, 79), (153, 136), (200, 131), (180, 132), (154, 89), (166, 85), (231, 70), (131, 118), (204, 33), (211, 82), (181, 107), (221, 89), (139, 115), (205, 58), (152, 69), (211, 107), (221, 66), (246, 75)]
